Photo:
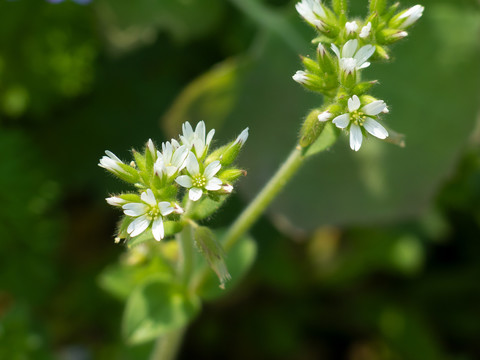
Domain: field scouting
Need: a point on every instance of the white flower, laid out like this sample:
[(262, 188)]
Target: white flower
[(196, 181), (324, 116), (242, 138), (411, 15), (351, 27), (171, 160), (313, 12), (300, 76), (350, 59), (151, 148), (112, 163), (116, 201), (146, 213), (365, 32), (196, 140), (361, 118)]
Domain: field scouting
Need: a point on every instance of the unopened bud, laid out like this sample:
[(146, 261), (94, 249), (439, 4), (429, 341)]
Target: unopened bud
[(363, 87), (351, 28), (390, 36), (177, 209), (407, 18)]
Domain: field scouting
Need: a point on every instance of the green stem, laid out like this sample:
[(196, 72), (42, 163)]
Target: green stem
[(256, 207), (263, 199), (167, 346), (185, 242)]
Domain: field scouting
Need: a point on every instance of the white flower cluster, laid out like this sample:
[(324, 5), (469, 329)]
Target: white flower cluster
[(338, 78), (179, 163)]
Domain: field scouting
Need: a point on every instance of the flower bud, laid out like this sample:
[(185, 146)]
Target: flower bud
[(212, 251), (351, 28), (407, 18), (363, 87), (309, 81), (116, 166), (231, 175), (311, 65), (381, 52), (390, 36), (233, 150)]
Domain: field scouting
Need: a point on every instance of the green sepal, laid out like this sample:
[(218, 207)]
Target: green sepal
[(231, 175), (381, 52), (311, 66), (326, 61), (389, 36), (149, 160), (363, 87), (139, 160), (348, 80), (166, 193), (216, 154), (129, 175), (391, 12), (327, 138), (122, 227), (378, 6), (311, 128), (212, 251), (367, 99), (340, 8)]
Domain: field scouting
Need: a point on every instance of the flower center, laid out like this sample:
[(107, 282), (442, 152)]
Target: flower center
[(358, 117), (153, 213), (199, 181), (348, 64)]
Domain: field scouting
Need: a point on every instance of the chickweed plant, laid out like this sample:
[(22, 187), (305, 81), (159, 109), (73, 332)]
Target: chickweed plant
[(177, 184)]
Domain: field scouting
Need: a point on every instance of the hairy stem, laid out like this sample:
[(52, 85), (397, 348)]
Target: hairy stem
[(167, 346)]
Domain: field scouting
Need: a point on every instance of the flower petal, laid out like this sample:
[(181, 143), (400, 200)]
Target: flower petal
[(342, 121), (364, 54), (157, 229), (374, 128), (356, 137), (134, 209), (185, 181), (214, 184), (349, 48), (192, 164), (195, 193), (212, 169), (374, 108), (353, 103), (148, 197), (165, 208), (200, 130), (210, 137), (138, 226), (336, 50)]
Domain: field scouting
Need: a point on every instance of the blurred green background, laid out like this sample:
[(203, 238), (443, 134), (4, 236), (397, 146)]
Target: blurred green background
[(365, 256)]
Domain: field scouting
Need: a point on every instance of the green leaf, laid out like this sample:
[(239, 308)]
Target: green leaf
[(156, 308), (238, 259), (121, 279)]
